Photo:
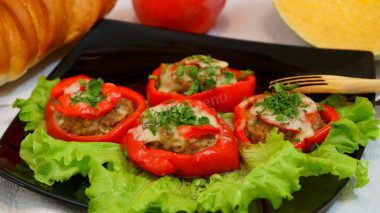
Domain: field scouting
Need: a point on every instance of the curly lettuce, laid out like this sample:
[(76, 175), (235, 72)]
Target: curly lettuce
[(270, 171), (357, 121), (32, 111)]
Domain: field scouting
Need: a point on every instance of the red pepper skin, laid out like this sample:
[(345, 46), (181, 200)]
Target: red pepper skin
[(222, 98), (111, 91), (114, 135), (222, 157), (197, 131), (327, 113)]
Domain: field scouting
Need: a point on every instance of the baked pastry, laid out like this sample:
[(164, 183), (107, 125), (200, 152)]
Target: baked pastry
[(31, 29)]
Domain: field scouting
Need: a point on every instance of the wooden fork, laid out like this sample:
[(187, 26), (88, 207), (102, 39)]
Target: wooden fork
[(330, 84)]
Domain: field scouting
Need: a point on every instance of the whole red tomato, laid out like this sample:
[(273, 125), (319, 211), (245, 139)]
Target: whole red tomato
[(195, 16)]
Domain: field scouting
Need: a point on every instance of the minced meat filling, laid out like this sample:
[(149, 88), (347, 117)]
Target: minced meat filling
[(168, 141), (98, 126), (257, 129)]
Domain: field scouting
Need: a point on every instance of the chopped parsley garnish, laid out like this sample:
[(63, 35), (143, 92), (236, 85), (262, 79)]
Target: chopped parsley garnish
[(177, 115), (92, 94), (210, 71), (289, 86), (203, 120), (208, 84), (245, 73), (192, 71), (152, 77), (194, 88), (205, 59), (203, 76), (283, 105), (229, 76), (180, 70)]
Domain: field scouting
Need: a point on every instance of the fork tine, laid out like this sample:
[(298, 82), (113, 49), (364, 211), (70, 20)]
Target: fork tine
[(301, 82), (307, 79), (300, 77)]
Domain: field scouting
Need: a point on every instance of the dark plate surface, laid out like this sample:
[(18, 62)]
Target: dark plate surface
[(126, 53)]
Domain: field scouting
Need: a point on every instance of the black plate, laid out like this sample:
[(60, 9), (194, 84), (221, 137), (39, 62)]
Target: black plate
[(126, 53)]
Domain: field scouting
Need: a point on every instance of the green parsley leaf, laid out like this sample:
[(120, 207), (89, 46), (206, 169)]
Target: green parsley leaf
[(210, 71), (192, 71), (203, 120), (204, 59), (83, 83), (181, 114), (92, 95), (208, 84), (289, 86), (194, 88), (153, 77), (283, 105), (229, 76), (245, 73), (180, 70), (278, 88), (94, 87)]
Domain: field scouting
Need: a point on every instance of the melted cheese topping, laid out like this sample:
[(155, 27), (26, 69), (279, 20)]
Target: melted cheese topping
[(299, 124), (211, 63), (73, 88), (169, 80)]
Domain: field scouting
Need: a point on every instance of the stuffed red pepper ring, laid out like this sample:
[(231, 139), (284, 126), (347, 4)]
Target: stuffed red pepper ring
[(182, 137), (302, 121), (81, 108), (203, 78)]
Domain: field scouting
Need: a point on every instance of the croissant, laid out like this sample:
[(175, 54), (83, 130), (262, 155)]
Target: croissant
[(31, 29)]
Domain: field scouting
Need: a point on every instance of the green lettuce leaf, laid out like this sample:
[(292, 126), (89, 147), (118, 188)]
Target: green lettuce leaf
[(56, 160), (357, 124), (271, 170), (32, 111)]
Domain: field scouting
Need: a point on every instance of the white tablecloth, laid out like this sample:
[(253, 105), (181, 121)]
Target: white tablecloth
[(254, 20)]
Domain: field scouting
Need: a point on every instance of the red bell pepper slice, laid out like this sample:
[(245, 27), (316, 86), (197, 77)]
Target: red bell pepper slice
[(327, 113), (197, 131), (223, 98), (62, 92), (222, 157), (83, 111)]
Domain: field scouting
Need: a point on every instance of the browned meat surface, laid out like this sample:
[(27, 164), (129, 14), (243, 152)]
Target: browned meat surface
[(99, 126), (257, 129), (169, 142), (318, 123)]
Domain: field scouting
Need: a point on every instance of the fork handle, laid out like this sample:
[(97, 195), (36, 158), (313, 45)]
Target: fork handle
[(366, 86), (347, 86)]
